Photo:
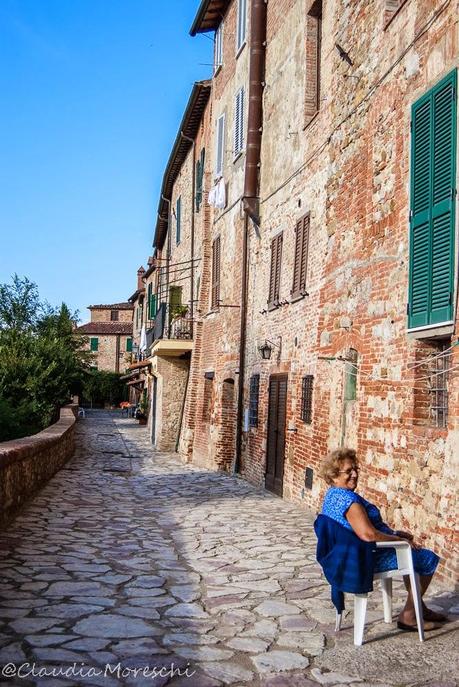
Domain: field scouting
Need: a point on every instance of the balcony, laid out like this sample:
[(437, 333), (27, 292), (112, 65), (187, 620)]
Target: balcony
[(172, 334)]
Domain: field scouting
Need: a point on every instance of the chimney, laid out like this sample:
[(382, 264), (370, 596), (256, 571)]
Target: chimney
[(140, 273)]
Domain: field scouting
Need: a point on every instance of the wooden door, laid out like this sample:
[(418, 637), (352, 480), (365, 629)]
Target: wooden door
[(275, 449)]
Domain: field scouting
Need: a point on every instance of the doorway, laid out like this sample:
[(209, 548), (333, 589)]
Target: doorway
[(153, 410), (275, 445)]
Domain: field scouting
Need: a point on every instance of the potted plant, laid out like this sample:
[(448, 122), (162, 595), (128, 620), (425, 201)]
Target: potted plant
[(178, 311)]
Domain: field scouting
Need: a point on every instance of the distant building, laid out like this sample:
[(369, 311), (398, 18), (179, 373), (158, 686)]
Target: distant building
[(110, 335)]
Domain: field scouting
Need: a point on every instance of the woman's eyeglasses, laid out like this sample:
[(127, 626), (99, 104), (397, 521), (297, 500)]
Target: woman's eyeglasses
[(349, 471)]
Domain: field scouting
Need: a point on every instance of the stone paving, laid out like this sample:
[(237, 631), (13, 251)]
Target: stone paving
[(130, 560)]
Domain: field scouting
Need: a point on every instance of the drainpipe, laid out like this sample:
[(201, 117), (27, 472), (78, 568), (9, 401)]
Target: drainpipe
[(193, 191), (168, 257), (251, 200)]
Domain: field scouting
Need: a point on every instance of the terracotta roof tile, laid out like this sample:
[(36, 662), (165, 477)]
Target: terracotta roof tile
[(113, 306), (105, 328)]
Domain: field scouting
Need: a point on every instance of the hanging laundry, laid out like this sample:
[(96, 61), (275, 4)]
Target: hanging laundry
[(217, 194)]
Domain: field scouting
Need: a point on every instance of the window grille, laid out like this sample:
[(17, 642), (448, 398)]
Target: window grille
[(253, 400), (438, 384), (306, 398)]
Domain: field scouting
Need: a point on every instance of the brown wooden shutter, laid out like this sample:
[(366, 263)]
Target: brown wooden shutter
[(215, 297), (300, 266), (274, 277)]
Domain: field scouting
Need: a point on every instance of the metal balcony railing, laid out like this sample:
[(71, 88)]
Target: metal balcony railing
[(172, 322)]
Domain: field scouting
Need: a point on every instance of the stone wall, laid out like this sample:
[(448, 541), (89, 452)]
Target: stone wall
[(349, 168), (27, 464)]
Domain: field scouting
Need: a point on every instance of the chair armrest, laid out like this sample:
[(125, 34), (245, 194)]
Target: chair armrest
[(400, 543)]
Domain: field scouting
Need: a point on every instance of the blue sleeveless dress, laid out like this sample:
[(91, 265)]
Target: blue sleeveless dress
[(336, 504)]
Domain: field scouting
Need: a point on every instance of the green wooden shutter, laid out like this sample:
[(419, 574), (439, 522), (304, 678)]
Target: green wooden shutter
[(433, 154), (94, 344), (149, 302), (128, 345)]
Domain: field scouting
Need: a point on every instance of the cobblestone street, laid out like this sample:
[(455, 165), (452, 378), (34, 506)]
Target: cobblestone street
[(129, 556)]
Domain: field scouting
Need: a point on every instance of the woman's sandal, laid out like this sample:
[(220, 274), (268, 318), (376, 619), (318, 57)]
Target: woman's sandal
[(414, 628)]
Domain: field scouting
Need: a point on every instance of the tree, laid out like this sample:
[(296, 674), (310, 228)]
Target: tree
[(42, 360)]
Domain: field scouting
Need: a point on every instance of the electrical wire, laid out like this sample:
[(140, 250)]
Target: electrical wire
[(370, 92)]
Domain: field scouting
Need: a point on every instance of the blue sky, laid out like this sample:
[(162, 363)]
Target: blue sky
[(91, 96)]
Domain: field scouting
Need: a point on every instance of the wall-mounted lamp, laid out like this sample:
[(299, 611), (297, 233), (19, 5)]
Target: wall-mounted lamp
[(267, 348)]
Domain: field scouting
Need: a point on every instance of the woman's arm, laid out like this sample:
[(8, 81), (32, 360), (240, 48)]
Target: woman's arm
[(360, 523)]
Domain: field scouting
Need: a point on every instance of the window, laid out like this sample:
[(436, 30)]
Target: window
[(94, 343), (300, 266), (241, 23), (253, 400), (306, 398), (129, 345), (199, 178), (431, 371), (239, 122), (215, 295), (151, 302), (114, 315), (351, 370), (220, 147), (313, 59), (137, 317), (218, 53), (178, 219), (433, 190), (274, 277)]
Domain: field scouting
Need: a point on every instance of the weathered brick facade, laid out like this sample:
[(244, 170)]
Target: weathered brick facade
[(339, 84)]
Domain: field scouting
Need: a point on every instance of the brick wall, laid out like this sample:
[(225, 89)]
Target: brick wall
[(27, 464), (349, 168)]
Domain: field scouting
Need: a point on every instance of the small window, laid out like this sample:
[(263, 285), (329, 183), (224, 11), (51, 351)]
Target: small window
[(215, 293), (239, 122), (313, 60), (178, 220), (129, 345), (220, 147), (94, 343), (306, 398), (241, 23), (275, 272), (253, 400), (114, 315), (218, 54), (350, 371)]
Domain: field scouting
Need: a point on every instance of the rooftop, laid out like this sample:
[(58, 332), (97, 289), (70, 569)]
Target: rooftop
[(113, 306), (209, 15), (105, 328)]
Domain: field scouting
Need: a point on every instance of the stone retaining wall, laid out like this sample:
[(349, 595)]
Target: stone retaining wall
[(28, 463)]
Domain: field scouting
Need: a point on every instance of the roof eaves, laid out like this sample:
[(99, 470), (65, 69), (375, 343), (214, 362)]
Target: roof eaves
[(209, 16), (189, 126)]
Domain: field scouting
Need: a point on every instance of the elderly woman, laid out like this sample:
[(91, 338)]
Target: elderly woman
[(341, 503)]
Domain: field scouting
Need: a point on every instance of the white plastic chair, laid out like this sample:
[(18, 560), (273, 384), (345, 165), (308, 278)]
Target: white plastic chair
[(404, 567)]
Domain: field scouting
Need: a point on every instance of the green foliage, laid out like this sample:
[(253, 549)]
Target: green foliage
[(42, 361), (101, 387)]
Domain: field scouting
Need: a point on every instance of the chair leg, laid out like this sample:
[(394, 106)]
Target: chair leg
[(386, 588), (339, 617), (360, 609), (416, 593)]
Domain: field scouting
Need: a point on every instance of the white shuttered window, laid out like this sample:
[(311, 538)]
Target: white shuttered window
[(218, 56), (239, 122), (220, 146), (241, 23)]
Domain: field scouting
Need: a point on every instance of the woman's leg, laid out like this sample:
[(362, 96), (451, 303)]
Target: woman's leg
[(407, 615)]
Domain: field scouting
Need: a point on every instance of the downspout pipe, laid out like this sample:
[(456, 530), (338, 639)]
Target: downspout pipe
[(193, 193), (251, 199)]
